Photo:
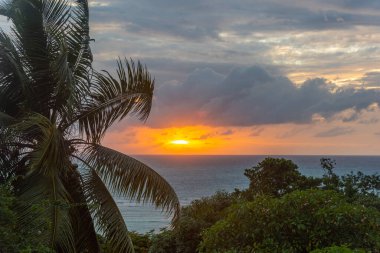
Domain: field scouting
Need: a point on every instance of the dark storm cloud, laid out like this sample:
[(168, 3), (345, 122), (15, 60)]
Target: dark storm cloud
[(254, 96)]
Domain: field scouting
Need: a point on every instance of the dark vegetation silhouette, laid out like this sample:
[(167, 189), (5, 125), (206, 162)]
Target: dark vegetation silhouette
[(282, 211), (54, 110)]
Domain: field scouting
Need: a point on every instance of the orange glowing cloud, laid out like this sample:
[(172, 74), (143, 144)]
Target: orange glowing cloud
[(174, 140), (322, 138)]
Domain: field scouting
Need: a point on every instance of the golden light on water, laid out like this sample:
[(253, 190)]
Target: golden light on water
[(180, 142)]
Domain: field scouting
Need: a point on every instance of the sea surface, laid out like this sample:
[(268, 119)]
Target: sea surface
[(194, 177)]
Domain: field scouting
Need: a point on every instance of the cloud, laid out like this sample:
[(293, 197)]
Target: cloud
[(292, 132), (227, 132), (256, 131), (334, 39), (200, 20), (255, 96), (222, 133), (372, 79), (329, 38), (336, 131)]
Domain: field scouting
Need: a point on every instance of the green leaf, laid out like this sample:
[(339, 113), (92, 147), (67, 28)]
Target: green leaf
[(113, 99), (107, 214), (131, 178)]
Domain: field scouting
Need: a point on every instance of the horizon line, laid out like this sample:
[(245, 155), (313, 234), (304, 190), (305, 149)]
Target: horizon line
[(321, 155)]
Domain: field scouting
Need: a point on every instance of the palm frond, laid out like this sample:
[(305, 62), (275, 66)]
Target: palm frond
[(132, 179), (45, 39), (66, 94), (4, 9), (113, 99), (107, 214), (9, 156), (6, 119), (78, 41), (32, 42), (47, 165), (13, 80), (72, 64), (48, 88), (81, 220), (44, 198), (49, 153)]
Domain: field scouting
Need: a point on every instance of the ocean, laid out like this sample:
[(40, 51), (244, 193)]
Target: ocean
[(194, 177)]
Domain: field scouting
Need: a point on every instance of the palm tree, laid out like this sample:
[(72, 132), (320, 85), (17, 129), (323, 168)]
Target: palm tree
[(54, 110)]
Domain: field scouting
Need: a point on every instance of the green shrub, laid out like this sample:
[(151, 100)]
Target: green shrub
[(276, 177), (164, 242), (13, 237), (271, 183), (337, 249), (298, 222), (195, 218)]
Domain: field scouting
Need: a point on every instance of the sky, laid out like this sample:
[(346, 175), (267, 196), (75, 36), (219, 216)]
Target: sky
[(247, 76)]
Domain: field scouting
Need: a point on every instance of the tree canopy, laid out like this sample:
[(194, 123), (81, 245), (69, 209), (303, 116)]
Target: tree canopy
[(54, 111)]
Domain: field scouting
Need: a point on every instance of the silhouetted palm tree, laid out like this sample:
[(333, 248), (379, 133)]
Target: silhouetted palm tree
[(54, 110)]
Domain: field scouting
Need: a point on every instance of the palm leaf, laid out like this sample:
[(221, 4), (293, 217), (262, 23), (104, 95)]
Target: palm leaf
[(72, 63), (113, 99), (44, 37), (32, 42), (48, 163), (81, 220), (78, 40), (6, 119), (66, 94), (132, 179), (107, 214), (44, 198), (49, 152), (47, 90), (13, 80)]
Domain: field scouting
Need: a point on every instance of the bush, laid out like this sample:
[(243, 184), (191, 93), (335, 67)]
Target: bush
[(298, 222), (276, 177), (141, 242), (13, 237), (195, 218), (164, 242), (272, 182), (337, 249)]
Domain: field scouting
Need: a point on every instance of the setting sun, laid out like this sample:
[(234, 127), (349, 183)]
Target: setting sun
[(179, 142)]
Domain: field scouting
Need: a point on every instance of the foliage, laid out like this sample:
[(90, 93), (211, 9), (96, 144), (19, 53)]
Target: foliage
[(330, 180), (276, 177), (164, 242), (54, 110), (13, 237), (337, 249), (360, 184), (297, 222), (201, 214), (141, 242)]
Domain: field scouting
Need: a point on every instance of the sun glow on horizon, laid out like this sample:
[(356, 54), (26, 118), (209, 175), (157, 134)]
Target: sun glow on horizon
[(180, 142)]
